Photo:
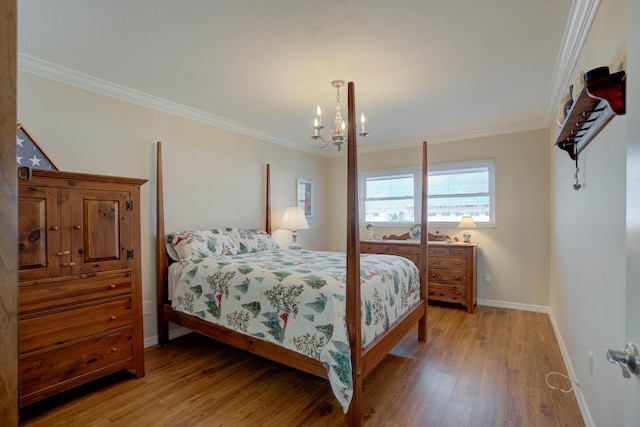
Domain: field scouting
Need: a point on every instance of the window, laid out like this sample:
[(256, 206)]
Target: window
[(454, 190), (390, 198)]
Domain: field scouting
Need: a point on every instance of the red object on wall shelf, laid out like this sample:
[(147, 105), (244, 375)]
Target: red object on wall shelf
[(598, 102)]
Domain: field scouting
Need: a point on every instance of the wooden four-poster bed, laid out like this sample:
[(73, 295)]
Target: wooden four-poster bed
[(363, 359)]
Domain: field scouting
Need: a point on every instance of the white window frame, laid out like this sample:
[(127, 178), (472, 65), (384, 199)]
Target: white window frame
[(417, 184), (417, 188)]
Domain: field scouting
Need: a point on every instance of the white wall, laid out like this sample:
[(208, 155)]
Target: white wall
[(587, 252), (212, 177), (515, 251)]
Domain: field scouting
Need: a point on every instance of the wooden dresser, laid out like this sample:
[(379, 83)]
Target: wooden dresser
[(79, 297), (451, 267)]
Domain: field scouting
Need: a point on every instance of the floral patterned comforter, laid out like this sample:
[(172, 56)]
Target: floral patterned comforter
[(295, 298)]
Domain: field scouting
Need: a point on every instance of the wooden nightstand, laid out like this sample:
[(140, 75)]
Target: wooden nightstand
[(451, 267)]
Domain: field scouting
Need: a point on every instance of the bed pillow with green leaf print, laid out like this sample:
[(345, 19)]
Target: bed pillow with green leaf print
[(190, 245)]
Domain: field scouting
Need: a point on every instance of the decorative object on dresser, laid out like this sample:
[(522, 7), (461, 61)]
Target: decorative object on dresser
[(371, 232), (467, 223), (80, 297), (451, 267), (294, 220), (28, 152), (437, 237)]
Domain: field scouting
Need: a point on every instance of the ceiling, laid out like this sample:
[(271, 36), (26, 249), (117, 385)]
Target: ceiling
[(438, 70)]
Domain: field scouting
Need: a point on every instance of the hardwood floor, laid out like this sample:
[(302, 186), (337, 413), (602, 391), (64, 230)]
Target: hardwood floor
[(482, 369)]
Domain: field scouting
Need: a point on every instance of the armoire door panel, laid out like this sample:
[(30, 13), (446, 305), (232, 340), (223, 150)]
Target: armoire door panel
[(100, 230), (38, 233)]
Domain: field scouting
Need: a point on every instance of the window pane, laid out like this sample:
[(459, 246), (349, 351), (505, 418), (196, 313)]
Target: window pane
[(399, 210), (389, 186), (459, 182), (451, 209)]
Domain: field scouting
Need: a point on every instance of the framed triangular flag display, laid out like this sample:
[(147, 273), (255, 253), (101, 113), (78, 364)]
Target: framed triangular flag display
[(29, 153)]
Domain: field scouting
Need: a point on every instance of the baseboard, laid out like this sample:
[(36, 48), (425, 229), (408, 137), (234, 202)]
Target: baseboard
[(582, 402), (173, 333), (513, 305)]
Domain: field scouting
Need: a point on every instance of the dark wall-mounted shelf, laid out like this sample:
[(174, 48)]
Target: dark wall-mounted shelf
[(598, 102)]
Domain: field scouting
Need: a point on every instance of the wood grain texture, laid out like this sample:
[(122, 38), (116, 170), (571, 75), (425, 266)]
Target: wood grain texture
[(8, 217), (485, 369), (82, 319), (353, 300)]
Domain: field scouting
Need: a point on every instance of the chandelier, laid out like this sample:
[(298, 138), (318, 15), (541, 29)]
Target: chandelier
[(336, 135)]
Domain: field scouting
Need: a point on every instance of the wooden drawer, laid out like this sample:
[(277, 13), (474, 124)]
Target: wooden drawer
[(54, 329), (452, 277), (36, 297), (448, 262), (373, 248), (447, 293), (408, 249), (59, 367), (446, 251)]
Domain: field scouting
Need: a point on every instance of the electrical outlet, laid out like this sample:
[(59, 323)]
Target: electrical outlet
[(487, 277), (146, 307), (590, 360)]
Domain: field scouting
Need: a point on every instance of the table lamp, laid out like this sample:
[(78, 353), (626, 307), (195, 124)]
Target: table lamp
[(467, 222), (294, 220)]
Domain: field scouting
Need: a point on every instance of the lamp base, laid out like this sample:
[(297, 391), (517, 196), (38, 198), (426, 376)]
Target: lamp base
[(466, 236), (294, 240)]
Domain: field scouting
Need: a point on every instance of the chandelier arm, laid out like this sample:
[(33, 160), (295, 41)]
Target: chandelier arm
[(320, 145)]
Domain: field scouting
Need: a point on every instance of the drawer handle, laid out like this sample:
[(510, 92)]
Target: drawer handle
[(68, 264), (62, 253), (458, 278), (55, 228), (112, 286), (457, 262), (113, 349), (112, 317), (77, 227), (433, 275)]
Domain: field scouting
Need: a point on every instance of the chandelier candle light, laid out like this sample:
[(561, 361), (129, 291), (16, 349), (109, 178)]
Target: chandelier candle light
[(336, 135), (294, 220)]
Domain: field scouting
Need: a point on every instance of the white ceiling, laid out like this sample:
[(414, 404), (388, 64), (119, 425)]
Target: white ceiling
[(423, 69)]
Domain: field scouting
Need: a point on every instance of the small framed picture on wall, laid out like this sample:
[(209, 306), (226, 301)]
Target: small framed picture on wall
[(305, 196)]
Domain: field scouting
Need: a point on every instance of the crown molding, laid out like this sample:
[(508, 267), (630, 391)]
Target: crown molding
[(578, 26), (70, 77), (579, 23)]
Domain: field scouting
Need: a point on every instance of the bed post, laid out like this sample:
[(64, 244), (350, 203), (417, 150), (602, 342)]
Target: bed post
[(161, 252), (267, 222), (422, 323), (354, 322)]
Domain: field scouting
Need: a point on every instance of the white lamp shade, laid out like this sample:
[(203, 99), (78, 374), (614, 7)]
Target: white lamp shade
[(294, 219), (467, 222)]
